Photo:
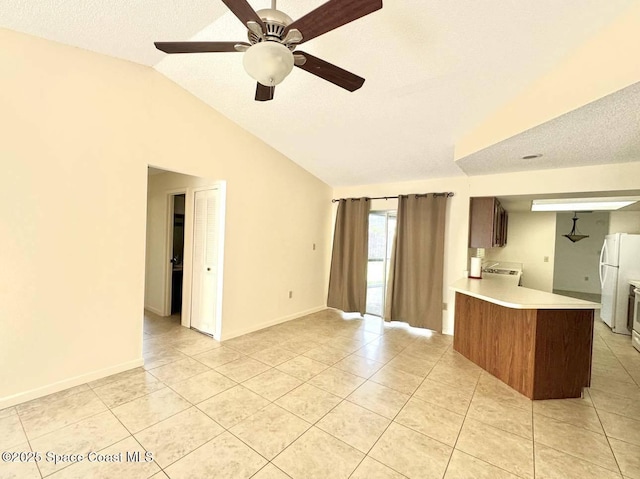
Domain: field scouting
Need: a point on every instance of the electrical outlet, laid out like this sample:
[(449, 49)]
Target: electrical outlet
[(586, 278), (314, 246), (444, 306), (290, 294), (546, 259)]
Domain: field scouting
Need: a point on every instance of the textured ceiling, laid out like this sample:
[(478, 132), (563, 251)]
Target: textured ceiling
[(606, 130), (434, 69)]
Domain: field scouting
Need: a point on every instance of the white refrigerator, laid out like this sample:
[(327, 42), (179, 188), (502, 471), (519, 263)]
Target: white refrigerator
[(619, 263)]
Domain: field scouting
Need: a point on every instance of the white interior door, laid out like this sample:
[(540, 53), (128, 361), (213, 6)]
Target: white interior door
[(205, 271)]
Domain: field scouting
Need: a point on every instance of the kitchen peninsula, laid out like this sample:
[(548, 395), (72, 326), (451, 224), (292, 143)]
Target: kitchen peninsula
[(538, 343)]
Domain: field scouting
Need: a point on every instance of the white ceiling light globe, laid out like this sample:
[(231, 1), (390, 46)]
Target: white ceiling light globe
[(268, 62)]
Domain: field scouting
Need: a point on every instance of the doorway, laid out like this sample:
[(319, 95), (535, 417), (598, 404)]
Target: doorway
[(177, 254), (184, 251), (382, 229)]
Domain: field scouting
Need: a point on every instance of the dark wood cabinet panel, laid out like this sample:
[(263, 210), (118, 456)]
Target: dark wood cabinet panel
[(541, 353), (487, 223), (563, 352)]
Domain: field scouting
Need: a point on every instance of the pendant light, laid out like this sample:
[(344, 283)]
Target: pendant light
[(575, 235)]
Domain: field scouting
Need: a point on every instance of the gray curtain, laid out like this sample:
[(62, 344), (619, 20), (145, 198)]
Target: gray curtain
[(414, 288), (348, 277)]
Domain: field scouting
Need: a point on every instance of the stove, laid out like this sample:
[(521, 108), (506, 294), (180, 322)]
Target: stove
[(496, 269), (512, 272)]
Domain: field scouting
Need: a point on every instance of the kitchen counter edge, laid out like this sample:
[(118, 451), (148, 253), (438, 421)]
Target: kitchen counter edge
[(509, 295)]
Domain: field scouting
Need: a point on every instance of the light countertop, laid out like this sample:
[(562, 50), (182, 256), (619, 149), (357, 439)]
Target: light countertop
[(635, 282), (505, 293)]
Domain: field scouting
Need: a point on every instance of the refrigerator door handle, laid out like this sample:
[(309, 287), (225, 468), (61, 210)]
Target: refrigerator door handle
[(603, 277), (602, 254)]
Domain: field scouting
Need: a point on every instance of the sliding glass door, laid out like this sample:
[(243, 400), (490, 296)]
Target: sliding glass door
[(382, 228)]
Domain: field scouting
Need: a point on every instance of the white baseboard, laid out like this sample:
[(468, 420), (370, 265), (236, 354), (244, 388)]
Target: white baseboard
[(154, 310), (266, 324), (24, 396)]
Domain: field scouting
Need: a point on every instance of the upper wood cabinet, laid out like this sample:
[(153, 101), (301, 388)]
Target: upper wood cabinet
[(487, 223)]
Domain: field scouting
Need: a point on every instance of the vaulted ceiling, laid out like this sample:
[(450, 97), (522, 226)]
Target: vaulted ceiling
[(434, 70)]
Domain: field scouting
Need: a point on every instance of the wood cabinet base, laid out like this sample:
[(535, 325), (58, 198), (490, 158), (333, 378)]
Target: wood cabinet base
[(541, 353)]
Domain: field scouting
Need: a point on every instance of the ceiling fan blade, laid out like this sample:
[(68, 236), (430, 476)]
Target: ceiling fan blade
[(198, 47), (264, 93), (332, 15), (329, 72), (244, 12)]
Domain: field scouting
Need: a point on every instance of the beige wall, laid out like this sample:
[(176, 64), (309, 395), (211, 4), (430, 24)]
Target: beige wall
[(577, 264), (530, 239), (276, 243), (79, 130), (624, 222)]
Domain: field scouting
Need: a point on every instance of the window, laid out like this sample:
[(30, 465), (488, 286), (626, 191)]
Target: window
[(382, 228)]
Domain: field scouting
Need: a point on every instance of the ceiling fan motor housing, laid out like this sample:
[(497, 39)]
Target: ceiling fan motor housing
[(275, 22)]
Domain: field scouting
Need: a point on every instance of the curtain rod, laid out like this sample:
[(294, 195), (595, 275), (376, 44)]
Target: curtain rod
[(448, 194)]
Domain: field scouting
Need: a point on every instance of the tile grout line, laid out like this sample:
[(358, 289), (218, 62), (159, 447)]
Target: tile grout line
[(270, 403), (396, 415), (334, 407), (588, 430), (533, 440), (492, 426), (602, 425), (70, 424), (88, 417), (347, 335), (24, 431), (453, 449)]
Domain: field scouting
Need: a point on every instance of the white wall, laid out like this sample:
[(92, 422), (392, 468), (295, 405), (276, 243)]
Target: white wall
[(530, 238), (624, 222), (79, 130), (577, 263)]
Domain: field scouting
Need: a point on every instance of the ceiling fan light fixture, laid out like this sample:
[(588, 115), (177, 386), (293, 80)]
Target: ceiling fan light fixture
[(268, 62)]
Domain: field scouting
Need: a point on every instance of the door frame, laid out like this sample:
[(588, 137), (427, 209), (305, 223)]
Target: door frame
[(168, 248), (187, 270)]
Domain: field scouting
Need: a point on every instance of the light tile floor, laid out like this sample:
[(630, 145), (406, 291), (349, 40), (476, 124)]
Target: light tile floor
[(329, 396)]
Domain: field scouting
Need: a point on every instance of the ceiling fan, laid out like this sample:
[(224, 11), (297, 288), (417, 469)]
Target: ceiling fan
[(271, 52)]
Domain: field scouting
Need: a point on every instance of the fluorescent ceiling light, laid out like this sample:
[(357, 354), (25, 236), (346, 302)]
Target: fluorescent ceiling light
[(582, 204)]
